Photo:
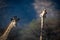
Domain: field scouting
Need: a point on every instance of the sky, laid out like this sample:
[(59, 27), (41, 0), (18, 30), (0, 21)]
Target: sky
[(26, 10)]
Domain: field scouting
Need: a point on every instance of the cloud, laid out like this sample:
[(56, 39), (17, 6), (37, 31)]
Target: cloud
[(39, 5)]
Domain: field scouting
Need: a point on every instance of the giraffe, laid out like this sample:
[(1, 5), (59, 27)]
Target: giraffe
[(43, 16), (10, 26)]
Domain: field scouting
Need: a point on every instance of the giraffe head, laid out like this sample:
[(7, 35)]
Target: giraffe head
[(43, 13), (14, 20)]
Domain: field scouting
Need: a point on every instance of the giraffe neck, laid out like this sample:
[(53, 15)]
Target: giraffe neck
[(42, 25), (5, 35)]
